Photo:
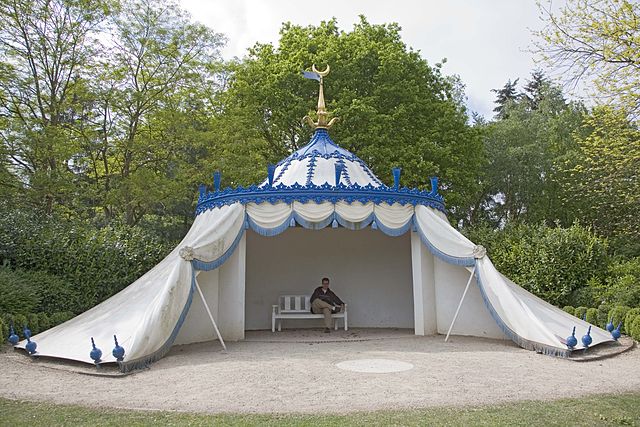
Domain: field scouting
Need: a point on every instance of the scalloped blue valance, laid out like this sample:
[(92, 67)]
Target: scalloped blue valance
[(318, 194)]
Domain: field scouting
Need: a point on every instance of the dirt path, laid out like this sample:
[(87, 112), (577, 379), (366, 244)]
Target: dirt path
[(284, 376)]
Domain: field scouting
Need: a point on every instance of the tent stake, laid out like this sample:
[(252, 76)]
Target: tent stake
[(455, 316), (213, 322)]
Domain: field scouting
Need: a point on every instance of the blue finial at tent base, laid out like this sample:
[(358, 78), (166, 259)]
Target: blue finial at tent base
[(13, 338), (118, 351), (572, 341), (586, 339), (31, 346), (616, 332), (217, 177), (396, 177), (96, 353), (26, 331), (610, 326), (271, 170)]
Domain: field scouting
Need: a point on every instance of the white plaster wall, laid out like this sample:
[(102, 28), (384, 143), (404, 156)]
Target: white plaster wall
[(424, 293), (474, 318), (369, 270)]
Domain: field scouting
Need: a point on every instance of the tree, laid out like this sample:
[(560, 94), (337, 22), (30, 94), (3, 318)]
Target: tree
[(507, 94), (395, 109), (157, 71), (46, 47), (526, 150), (535, 88), (605, 174), (597, 40)]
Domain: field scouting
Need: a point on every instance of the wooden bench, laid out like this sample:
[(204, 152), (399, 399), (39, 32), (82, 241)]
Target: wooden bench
[(299, 307)]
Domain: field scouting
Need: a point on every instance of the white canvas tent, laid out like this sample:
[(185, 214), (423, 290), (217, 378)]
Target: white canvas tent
[(321, 212)]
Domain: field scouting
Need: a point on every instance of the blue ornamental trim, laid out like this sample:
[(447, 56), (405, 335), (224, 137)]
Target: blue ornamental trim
[(318, 194)]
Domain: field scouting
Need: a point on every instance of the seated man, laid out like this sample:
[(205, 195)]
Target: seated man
[(325, 301)]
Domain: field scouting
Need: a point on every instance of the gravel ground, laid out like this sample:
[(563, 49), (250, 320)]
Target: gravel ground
[(296, 372)]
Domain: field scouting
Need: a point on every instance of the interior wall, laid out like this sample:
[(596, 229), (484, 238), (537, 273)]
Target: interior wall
[(474, 318), (369, 270)]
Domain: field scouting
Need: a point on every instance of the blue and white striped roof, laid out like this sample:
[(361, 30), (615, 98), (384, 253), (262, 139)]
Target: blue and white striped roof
[(316, 162)]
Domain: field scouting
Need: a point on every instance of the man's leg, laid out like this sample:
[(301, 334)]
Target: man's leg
[(318, 306)]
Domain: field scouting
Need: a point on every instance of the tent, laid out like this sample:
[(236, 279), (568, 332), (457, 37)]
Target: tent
[(390, 251)]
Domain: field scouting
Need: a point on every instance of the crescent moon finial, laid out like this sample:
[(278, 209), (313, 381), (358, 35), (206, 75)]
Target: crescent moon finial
[(321, 73)]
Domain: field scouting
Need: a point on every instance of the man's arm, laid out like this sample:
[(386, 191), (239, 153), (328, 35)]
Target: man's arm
[(336, 298), (316, 294)]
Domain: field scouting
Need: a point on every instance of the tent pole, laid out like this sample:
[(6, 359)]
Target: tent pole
[(455, 316), (213, 322)]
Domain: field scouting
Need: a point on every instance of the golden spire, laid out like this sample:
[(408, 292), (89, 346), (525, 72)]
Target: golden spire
[(322, 113)]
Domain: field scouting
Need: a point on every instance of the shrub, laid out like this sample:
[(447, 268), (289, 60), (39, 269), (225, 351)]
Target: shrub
[(16, 293), (60, 317), (560, 265), (90, 263), (630, 318), (603, 315), (34, 323), (635, 328), (44, 321), (569, 309), (623, 283), (617, 315), (581, 312), (19, 321), (4, 330), (592, 316)]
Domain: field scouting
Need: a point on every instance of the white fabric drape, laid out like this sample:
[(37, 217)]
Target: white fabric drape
[(145, 314)]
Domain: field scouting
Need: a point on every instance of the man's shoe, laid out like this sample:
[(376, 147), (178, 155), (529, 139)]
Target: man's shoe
[(327, 330)]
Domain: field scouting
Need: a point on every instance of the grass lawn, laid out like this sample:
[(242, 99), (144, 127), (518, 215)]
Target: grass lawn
[(602, 410)]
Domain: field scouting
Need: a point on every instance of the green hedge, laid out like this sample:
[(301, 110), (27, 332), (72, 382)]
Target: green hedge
[(618, 314), (563, 266), (581, 312), (569, 309), (635, 328), (37, 323), (69, 265), (592, 316)]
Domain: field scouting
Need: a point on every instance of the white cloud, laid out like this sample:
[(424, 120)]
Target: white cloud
[(485, 42)]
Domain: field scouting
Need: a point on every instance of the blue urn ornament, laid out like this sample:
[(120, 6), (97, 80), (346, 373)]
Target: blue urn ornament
[(610, 326), (26, 331), (616, 332), (96, 353), (31, 346), (586, 339), (13, 338), (572, 341), (118, 351)]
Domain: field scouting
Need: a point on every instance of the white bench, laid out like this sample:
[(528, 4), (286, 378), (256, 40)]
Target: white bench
[(299, 307)]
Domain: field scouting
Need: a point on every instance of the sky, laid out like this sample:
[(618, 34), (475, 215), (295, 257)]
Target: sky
[(485, 42)]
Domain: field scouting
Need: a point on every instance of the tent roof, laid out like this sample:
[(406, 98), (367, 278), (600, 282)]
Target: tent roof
[(321, 171)]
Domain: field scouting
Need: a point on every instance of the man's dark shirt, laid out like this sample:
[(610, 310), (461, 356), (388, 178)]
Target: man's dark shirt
[(328, 296)]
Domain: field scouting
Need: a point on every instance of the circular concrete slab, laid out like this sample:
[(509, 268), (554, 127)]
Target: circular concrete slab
[(376, 366)]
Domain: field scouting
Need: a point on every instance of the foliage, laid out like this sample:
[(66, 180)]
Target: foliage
[(635, 328), (603, 315), (630, 318), (552, 262), (623, 283), (604, 184), (89, 264), (569, 309), (526, 149), (17, 295), (618, 314), (597, 41), (581, 312), (395, 108), (592, 316)]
